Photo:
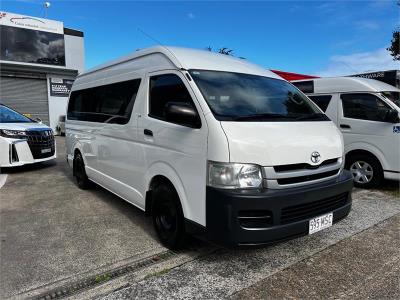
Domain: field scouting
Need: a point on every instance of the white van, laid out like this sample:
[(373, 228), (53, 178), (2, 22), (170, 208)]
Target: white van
[(209, 145), (23, 140), (367, 112)]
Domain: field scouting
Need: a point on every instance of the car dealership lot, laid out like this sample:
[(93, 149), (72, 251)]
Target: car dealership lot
[(56, 238)]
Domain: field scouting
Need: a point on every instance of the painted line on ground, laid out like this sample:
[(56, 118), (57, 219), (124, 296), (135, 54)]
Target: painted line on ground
[(3, 178)]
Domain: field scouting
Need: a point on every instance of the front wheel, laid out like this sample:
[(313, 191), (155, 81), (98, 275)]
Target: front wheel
[(80, 173), (167, 216), (366, 170)]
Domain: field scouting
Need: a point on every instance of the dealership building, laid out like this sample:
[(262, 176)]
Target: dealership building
[(39, 61)]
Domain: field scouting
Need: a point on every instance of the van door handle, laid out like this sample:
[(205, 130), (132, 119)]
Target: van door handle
[(148, 132), (345, 126)]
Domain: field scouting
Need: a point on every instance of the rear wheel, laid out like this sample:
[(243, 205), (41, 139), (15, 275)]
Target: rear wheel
[(167, 216), (366, 170), (80, 173)]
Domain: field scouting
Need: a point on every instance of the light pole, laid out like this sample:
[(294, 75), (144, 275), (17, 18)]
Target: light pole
[(46, 7)]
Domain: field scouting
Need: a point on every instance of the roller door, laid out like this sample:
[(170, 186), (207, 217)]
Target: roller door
[(26, 95)]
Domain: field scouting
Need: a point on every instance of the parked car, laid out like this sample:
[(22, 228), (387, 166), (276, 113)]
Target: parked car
[(367, 112), (61, 125), (23, 140), (209, 145)]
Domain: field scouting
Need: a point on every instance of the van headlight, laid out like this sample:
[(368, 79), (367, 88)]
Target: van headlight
[(15, 134), (234, 176)]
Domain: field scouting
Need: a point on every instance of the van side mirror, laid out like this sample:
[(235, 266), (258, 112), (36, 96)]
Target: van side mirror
[(39, 120), (182, 114), (392, 116)]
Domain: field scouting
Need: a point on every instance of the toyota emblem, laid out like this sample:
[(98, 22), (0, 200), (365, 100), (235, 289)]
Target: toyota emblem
[(315, 157)]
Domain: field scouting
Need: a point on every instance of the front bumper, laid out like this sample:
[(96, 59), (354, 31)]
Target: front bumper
[(288, 210), (17, 152)]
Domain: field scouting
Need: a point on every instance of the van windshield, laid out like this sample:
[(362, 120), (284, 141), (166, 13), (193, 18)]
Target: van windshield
[(7, 115), (245, 97), (393, 96)]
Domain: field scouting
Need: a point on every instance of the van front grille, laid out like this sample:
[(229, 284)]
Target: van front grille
[(293, 175), (293, 167), (292, 180), (312, 209)]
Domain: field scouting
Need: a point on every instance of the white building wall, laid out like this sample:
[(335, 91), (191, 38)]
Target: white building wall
[(74, 53)]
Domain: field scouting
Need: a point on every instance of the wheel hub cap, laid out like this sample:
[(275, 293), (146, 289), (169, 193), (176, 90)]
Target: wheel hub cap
[(362, 172)]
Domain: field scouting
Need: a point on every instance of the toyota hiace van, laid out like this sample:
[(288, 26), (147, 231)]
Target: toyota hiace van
[(207, 144), (367, 113)]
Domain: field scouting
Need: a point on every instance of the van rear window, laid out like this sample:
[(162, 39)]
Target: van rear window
[(322, 101), (112, 103)]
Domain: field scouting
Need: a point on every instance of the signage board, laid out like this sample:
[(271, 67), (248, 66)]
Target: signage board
[(27, 22), (389, 77), (60, 87)]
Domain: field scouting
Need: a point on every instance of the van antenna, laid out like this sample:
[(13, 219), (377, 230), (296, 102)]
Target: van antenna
[(349, 67), (149, 36), (157, 41)]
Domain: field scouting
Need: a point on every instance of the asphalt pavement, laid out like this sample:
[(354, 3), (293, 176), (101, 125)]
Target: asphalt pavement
[(58, 241)]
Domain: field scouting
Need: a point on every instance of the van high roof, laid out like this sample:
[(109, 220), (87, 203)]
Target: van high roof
[(342, 85), (182, 58)]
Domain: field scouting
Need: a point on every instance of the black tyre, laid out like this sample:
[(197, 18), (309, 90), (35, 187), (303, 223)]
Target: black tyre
[(167, 216), (366, 170), (80, 173)]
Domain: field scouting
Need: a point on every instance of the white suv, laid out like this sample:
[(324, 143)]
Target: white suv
[(22, 140)]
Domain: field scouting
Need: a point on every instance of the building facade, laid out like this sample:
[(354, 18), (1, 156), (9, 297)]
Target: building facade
[(39, 60)]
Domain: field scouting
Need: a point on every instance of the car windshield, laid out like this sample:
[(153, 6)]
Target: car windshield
[(7, 115), (393, 96), (245, 97)]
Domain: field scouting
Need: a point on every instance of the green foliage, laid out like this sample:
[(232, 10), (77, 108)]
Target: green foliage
[(102, 278), (394, 49)]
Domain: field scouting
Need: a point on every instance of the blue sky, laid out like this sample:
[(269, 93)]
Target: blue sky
[(312, 37)]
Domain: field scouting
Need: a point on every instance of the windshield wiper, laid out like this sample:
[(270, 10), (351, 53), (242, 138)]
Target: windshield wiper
[(314, 116), (260, 117)]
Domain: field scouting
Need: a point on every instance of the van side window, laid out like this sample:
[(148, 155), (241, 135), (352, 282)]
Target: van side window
[(322, 101), (164, 89), (364, 107), (111, 103)]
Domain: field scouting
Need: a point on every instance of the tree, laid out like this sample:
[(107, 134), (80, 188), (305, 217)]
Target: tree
[(394, 49), (222, 50)]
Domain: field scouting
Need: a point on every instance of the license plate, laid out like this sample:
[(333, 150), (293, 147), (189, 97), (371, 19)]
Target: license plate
[(48, 150), (320, 223)]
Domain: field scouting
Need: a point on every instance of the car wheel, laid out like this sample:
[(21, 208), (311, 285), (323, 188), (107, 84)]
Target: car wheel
[(80, 173), (366, 170), (167, 216)]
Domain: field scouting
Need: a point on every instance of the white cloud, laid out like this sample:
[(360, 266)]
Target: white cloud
[(367, 25), (377, 60), (191, 16)]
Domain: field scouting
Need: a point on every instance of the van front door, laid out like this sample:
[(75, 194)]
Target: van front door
[(363, 122), (176, 151)]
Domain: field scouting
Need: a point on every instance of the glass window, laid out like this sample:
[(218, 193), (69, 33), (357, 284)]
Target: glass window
[(245, 97), (7, 115), (364, 107), (32, 46), (112, 103), (393, 96), (164, 89), (322, 101), (305, 86)]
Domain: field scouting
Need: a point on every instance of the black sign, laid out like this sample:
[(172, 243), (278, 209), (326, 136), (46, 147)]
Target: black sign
[(60, 87), (385, 76)]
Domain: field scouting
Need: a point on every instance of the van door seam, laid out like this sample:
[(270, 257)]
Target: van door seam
[(227, 140)]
